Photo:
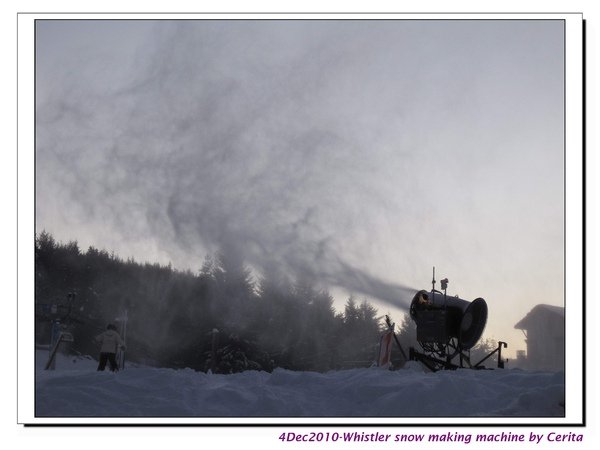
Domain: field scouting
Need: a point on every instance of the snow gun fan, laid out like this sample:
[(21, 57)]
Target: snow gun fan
[(447, 328)]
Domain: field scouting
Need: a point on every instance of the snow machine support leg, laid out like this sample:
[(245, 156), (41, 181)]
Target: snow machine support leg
[(433, 364), (501, 345)]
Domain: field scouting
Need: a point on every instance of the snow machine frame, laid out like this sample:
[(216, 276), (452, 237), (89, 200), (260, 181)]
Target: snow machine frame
[(447, 329), (442, 358)]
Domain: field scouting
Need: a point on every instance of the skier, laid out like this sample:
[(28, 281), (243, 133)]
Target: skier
[(110, 341)]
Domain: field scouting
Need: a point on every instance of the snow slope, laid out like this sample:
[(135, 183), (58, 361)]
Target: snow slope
[(75, 389)]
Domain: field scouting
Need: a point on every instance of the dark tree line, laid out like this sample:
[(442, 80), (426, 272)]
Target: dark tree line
[(219, 318)]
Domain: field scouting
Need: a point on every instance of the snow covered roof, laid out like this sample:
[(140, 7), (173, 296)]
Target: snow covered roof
[(537, 312)]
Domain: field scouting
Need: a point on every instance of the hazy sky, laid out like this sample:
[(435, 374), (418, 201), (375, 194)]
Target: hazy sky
[(356, 153)]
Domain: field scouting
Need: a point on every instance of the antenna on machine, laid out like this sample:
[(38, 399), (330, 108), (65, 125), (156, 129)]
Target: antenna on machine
[(433, 280)]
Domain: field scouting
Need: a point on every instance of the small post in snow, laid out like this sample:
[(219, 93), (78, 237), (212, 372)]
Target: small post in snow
[(122, 319), (213, 353), (62, 337), (54, 340)]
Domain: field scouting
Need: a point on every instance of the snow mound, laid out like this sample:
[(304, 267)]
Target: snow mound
[(77, 390)]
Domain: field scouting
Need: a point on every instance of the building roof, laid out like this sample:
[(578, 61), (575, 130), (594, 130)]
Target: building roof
[(537, 312)]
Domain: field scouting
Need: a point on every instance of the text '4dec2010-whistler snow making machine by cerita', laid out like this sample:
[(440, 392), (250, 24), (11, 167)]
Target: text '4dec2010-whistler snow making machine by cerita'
[(447, 329)]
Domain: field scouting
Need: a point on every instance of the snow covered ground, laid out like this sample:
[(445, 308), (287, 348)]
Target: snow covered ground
[(75, 389)]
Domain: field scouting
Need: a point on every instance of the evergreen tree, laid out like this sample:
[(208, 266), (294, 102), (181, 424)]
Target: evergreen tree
[(407, 334), (360, 334), (275, 323), (482, 349)]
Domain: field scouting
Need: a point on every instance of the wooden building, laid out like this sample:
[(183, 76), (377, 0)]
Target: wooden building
[(544, 329)]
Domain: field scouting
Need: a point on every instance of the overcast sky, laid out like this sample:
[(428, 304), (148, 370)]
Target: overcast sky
[(358, 154)]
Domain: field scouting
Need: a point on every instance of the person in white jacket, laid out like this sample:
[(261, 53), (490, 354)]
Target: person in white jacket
[(110, 341)]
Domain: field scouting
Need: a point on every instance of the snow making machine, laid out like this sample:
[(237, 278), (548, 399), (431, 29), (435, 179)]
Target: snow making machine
[(448, 328)]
